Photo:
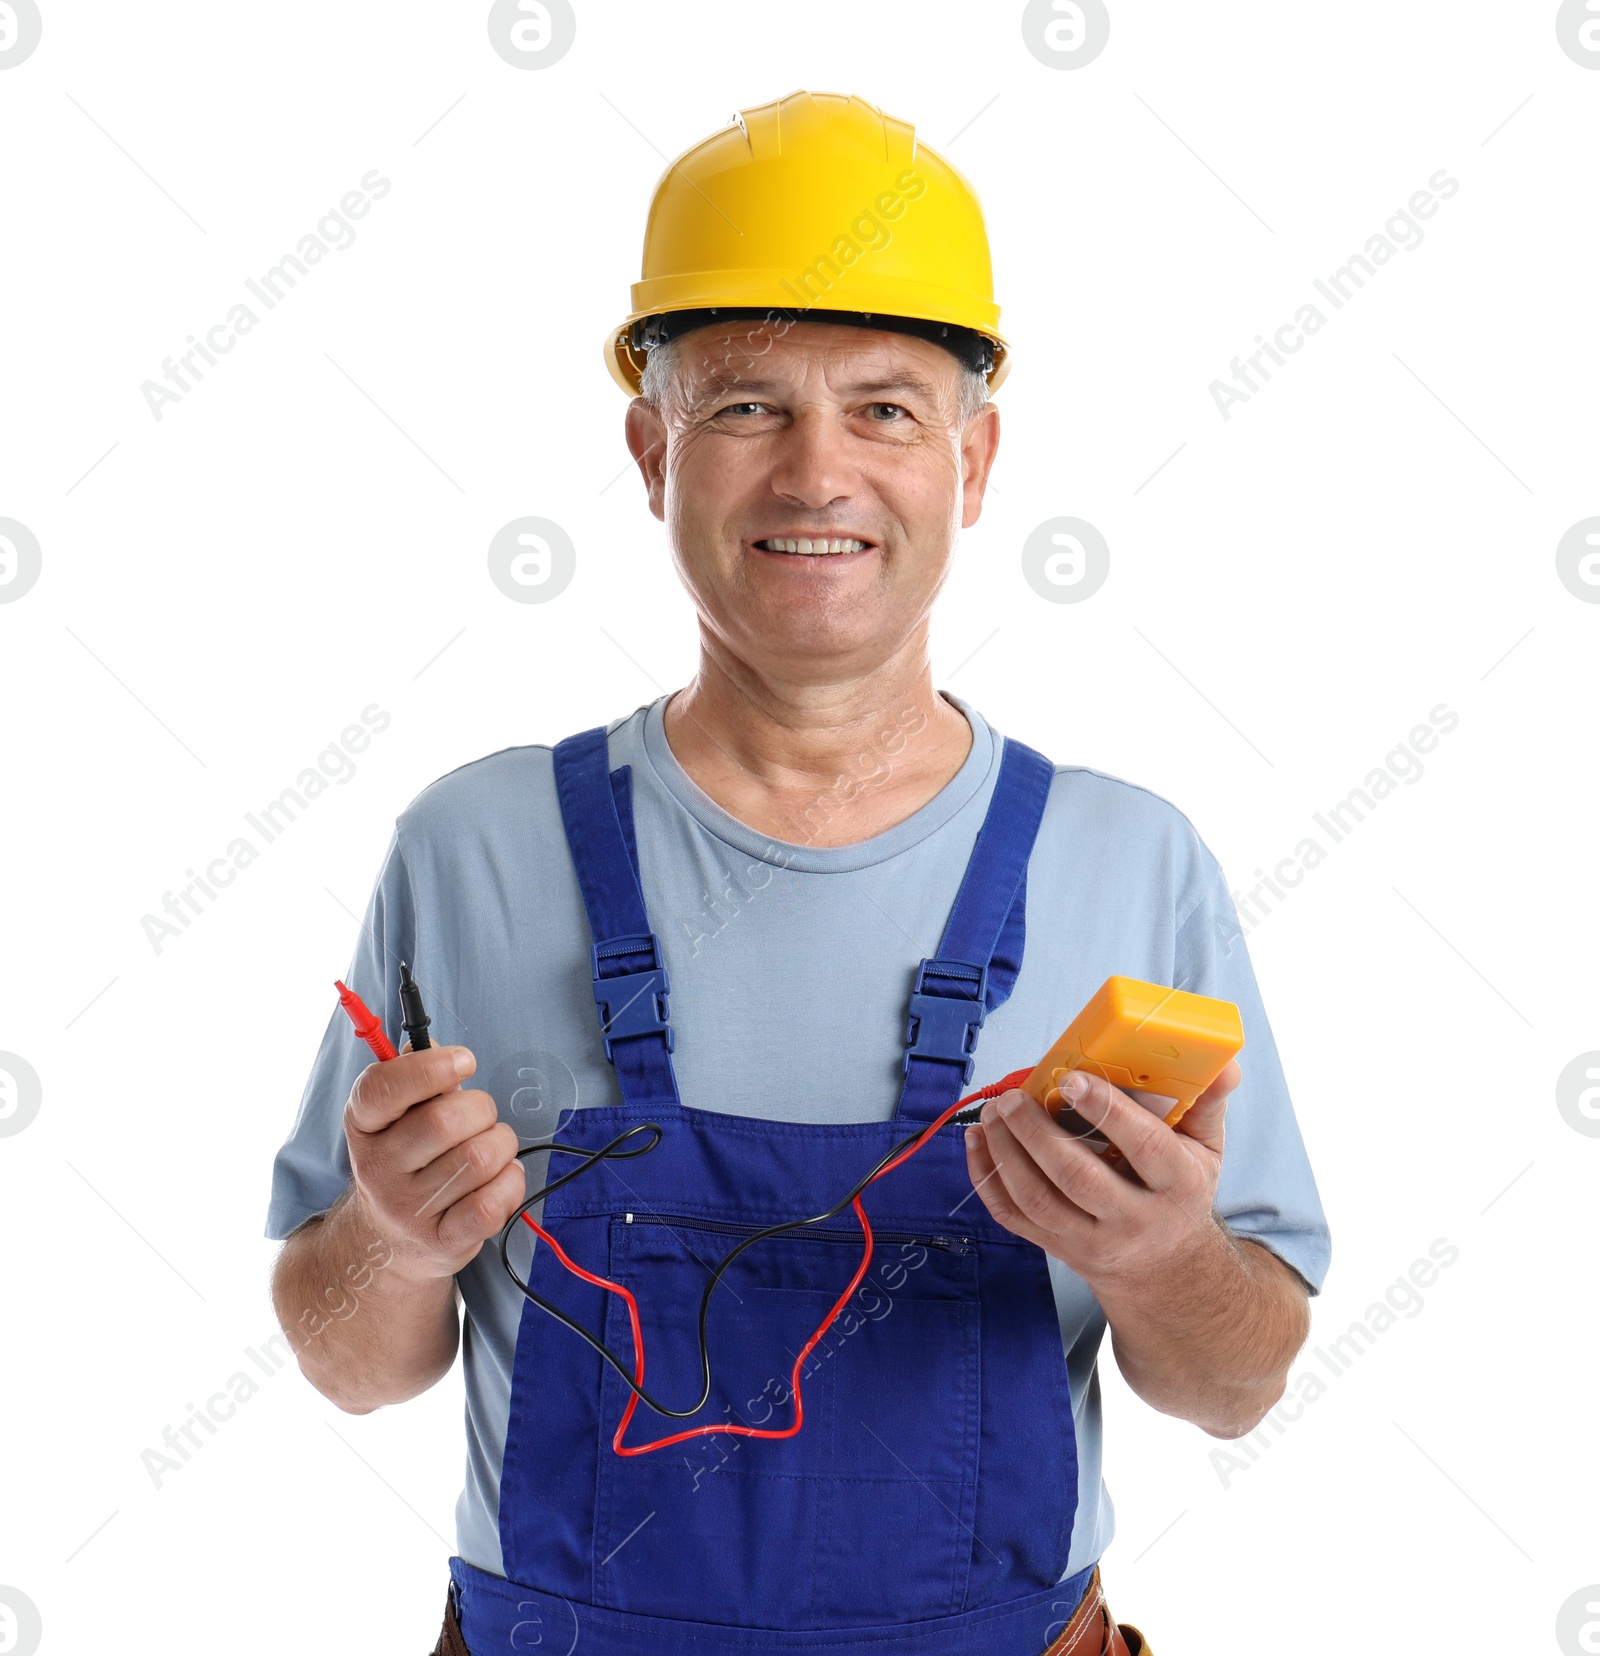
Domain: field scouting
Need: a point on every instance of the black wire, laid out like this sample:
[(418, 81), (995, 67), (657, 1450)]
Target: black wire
[(610, 1152)]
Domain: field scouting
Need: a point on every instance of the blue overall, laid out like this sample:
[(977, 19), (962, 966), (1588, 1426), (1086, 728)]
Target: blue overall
[(927, 1503)]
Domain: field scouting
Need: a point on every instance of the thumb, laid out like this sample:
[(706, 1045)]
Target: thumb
[(1203, 1121)]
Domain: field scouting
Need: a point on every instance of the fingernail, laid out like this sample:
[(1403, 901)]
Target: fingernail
[(971, 1135), (1074, 1085), (1010, 1103), (462, 1059)]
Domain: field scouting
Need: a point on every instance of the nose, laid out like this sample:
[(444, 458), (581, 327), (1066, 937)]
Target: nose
[(812, 465)]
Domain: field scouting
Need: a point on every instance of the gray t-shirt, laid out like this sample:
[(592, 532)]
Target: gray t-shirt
[(790, 966)]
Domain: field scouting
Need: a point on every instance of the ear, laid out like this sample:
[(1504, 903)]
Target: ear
[(647, 443), (979, 445)]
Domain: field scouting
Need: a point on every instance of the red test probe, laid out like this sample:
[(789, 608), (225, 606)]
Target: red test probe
[(367, 1024)]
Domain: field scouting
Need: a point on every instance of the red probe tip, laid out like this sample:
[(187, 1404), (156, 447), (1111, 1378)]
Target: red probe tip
[(366, 1022)]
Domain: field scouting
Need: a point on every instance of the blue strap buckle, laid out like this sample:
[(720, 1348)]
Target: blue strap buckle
[(631, 1003), (945, 1027)]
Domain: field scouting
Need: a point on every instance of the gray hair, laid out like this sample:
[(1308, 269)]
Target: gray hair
[(660, 365)]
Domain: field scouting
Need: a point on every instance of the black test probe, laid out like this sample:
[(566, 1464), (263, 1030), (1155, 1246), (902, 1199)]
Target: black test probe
[(412, 1017)]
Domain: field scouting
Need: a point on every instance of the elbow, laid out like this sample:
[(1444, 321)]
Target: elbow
[(1246, 1412), (349, 1393), (1234, 1426), (1255, 1397), (356, 1388), (351, 1387), (344, 1404)]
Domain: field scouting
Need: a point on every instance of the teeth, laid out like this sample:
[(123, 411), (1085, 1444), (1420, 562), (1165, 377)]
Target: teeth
[(811, 548)]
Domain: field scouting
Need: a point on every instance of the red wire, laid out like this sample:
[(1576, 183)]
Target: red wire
[(993, 1090)]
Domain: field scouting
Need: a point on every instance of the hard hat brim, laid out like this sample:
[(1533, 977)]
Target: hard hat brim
[(625, 362)]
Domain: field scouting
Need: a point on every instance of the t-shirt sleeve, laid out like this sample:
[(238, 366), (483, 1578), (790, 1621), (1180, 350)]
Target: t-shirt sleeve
[(1266, 1190), (313, 1167)]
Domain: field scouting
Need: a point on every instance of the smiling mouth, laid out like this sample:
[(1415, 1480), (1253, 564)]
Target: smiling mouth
[(804, 547)]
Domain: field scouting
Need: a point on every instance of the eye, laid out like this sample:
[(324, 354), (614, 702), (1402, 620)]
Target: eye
[(885, 413), (746, 409)]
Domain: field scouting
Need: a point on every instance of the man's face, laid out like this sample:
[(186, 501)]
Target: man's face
[(821, 434)]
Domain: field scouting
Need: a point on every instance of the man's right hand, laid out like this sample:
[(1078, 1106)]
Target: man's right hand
[(434, 1171)]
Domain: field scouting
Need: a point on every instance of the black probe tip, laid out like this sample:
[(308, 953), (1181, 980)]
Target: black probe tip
[(412, 1017)]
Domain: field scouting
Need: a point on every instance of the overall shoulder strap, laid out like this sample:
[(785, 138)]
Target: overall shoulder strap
[(980, 952), (630, 982)]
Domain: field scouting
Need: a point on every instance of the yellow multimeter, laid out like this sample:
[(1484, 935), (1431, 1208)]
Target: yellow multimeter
[(1160, 1045)]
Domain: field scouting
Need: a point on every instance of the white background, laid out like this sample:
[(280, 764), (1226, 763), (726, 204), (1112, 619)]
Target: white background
[(1369, 537)]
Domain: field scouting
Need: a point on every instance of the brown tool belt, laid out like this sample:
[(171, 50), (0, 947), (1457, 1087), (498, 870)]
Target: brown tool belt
[(1092, 1632)]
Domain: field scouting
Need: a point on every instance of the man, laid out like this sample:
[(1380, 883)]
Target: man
[(814, 902)]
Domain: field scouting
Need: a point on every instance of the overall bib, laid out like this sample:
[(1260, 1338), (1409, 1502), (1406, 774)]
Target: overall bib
[(927, 1503)]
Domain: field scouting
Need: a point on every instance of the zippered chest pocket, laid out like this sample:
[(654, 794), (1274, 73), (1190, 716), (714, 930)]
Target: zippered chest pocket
[(891, 1399)]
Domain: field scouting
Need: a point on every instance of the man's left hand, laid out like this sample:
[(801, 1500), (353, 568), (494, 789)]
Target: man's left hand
[(1043, 1183), (1204, 1323)]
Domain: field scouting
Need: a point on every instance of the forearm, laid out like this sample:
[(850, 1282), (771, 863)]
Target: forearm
[(365, 1332), (1210, 1337)]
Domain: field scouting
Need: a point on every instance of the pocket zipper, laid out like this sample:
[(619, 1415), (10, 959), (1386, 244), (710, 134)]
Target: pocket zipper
[(952, 1244)]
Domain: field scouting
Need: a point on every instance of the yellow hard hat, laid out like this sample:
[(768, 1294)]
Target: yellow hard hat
[(817, 206)]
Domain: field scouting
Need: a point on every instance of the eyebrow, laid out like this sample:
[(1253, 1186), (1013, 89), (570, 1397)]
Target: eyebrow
[(720, 387)]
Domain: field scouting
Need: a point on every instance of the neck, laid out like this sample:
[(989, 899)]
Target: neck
[(818, 762)]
